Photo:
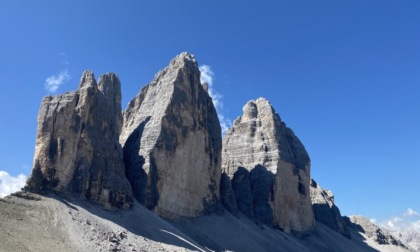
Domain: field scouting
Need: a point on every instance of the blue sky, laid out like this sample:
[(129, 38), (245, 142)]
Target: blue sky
[(344, 75)]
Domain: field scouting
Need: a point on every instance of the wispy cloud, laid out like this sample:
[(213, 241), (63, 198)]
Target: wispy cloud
[(408, 221), (207, 76), (53, 82), (10, 184), (411, 212)]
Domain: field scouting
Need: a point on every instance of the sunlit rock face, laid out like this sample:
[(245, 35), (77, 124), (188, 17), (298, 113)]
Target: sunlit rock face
[(269, 169), (172, 143), (77, 146)]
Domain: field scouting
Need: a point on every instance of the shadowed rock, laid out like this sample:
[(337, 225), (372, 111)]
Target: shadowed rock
[(77, 149), (227, 195), (242, 188), (172, 143), (326, 211)]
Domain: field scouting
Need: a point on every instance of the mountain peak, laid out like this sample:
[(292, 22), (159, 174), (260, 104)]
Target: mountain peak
[(87, 79), (259, 147), (259, 107), (77, 149), (171, 139)]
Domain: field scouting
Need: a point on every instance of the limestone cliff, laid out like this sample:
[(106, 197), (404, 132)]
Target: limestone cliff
[(77, 149), (269, 168), (171, 139)]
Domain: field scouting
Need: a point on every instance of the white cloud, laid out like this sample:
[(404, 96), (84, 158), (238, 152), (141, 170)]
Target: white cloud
[(408, 221), (53, 82), (411, 212), (10, 184), (207, 77), (206, 74)]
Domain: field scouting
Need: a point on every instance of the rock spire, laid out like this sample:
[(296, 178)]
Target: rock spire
[(172, 143), (269, 169), (77, 149)]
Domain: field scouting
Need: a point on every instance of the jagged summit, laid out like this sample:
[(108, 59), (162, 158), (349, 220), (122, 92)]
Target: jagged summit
[(250, 110), (184, 59), (87, 79), (261, 128), (184, 56), (176, 74), (77, 149)]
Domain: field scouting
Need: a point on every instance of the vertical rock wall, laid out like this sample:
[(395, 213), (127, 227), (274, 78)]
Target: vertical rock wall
[(77, 149), (269, 168), (172, 143)]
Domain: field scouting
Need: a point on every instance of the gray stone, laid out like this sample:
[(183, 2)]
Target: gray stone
[(262, 186), (227, 195), (77, 149), (326, 211), (364, 225), (172, 143), (410, 238), (278, 166), (241, 186)]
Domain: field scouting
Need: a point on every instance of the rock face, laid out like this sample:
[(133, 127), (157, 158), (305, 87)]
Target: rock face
[(326, 211), (227, 195), (365, 226), (269, 168), (172, 144), (77, 149), (410, 238)]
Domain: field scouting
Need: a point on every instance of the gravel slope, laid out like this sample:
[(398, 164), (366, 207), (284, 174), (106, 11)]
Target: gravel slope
[(30, 222), (35, 223)]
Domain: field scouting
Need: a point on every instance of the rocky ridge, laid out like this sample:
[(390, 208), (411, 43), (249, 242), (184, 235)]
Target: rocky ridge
[(370, 230), (410, 238), (165, 151), (326, 211)]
